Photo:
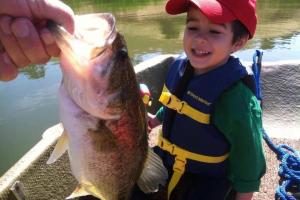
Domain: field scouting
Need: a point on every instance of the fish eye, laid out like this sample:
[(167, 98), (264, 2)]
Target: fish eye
[(123, 53)]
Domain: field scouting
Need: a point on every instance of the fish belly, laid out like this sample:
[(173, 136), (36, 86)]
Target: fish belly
[(99, 161)]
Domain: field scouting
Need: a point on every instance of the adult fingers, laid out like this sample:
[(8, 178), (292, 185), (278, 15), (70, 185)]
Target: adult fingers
[(29, 41), (8, 71), (40, 10), (10, 43), (15, 8), (1, 47), (49, 43), (54, 10)]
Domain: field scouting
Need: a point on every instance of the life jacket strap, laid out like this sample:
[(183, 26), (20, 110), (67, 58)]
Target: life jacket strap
[(181, 156), (178, 171), (171, 101)]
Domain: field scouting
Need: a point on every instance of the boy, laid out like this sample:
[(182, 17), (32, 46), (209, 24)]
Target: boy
[(212, 126)]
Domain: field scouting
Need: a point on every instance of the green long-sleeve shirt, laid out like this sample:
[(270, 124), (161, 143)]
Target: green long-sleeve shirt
[(238, 116)]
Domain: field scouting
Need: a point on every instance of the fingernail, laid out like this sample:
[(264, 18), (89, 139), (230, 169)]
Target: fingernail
[(20, 29), (47, 37)]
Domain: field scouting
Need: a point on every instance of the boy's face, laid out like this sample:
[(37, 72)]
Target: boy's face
[(207, 45)]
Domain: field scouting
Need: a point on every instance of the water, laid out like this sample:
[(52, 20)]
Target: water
[(28, 105)]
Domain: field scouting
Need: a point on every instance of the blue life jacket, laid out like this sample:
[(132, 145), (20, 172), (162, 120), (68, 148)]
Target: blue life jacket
[(201, 93)]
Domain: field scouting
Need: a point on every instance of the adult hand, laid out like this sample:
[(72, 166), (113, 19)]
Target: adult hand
[(24, 38)]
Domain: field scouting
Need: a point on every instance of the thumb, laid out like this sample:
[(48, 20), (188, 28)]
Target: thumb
[(55, 10), (40, 10)]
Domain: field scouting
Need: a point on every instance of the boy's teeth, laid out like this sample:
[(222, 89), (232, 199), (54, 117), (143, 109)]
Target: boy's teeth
[(201, 52)]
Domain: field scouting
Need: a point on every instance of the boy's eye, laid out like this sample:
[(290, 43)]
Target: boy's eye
[(215, 32), (192, 28)]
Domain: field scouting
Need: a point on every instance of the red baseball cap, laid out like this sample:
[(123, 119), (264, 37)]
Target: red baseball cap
[(220, 11)]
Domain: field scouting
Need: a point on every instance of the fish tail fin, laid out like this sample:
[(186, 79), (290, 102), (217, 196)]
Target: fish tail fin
[(153, 174), (60, 148)]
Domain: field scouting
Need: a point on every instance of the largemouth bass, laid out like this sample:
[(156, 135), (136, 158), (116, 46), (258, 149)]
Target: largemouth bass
[(102, 113)]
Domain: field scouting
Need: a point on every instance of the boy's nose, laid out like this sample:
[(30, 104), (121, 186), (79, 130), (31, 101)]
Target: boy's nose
[(201, 37)]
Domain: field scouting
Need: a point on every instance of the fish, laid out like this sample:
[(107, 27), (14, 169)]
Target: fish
[(102, 113)]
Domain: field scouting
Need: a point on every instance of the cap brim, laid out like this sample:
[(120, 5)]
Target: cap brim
[(214, 10), (174, 7)]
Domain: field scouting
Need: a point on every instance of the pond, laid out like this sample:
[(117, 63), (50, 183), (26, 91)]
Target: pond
[(28, 105)]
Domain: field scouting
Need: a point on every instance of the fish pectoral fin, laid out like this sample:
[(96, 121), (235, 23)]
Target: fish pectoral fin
[(153, 174), (60, 148), (78, 192)]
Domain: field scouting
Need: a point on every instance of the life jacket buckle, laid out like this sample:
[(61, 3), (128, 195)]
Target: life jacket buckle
[(181, 107), (175, 104), (179, 164), (167, 146)]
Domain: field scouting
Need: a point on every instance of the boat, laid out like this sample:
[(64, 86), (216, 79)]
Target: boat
[(32, 179)]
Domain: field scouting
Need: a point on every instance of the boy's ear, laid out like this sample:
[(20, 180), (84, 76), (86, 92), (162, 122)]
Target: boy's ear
[(240, 43)]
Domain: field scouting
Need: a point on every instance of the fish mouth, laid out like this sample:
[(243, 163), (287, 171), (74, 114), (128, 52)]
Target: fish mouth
[(97, 32), (86, 62)]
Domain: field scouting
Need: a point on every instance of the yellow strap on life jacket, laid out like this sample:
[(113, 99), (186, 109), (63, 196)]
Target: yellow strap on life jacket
[(171, 101), (181, 156)]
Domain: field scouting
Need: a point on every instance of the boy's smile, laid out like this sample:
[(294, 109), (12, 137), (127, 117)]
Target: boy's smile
[(206, 44)]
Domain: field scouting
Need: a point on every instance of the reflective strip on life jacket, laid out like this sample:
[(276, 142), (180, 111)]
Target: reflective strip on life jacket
[(171, 101), (181, 156)]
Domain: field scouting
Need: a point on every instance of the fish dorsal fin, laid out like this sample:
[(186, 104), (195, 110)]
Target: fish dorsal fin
[(153, 174), (60, 148), (78, 192)]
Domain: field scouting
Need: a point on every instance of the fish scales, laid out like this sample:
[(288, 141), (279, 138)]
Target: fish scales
[(101, 111)]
